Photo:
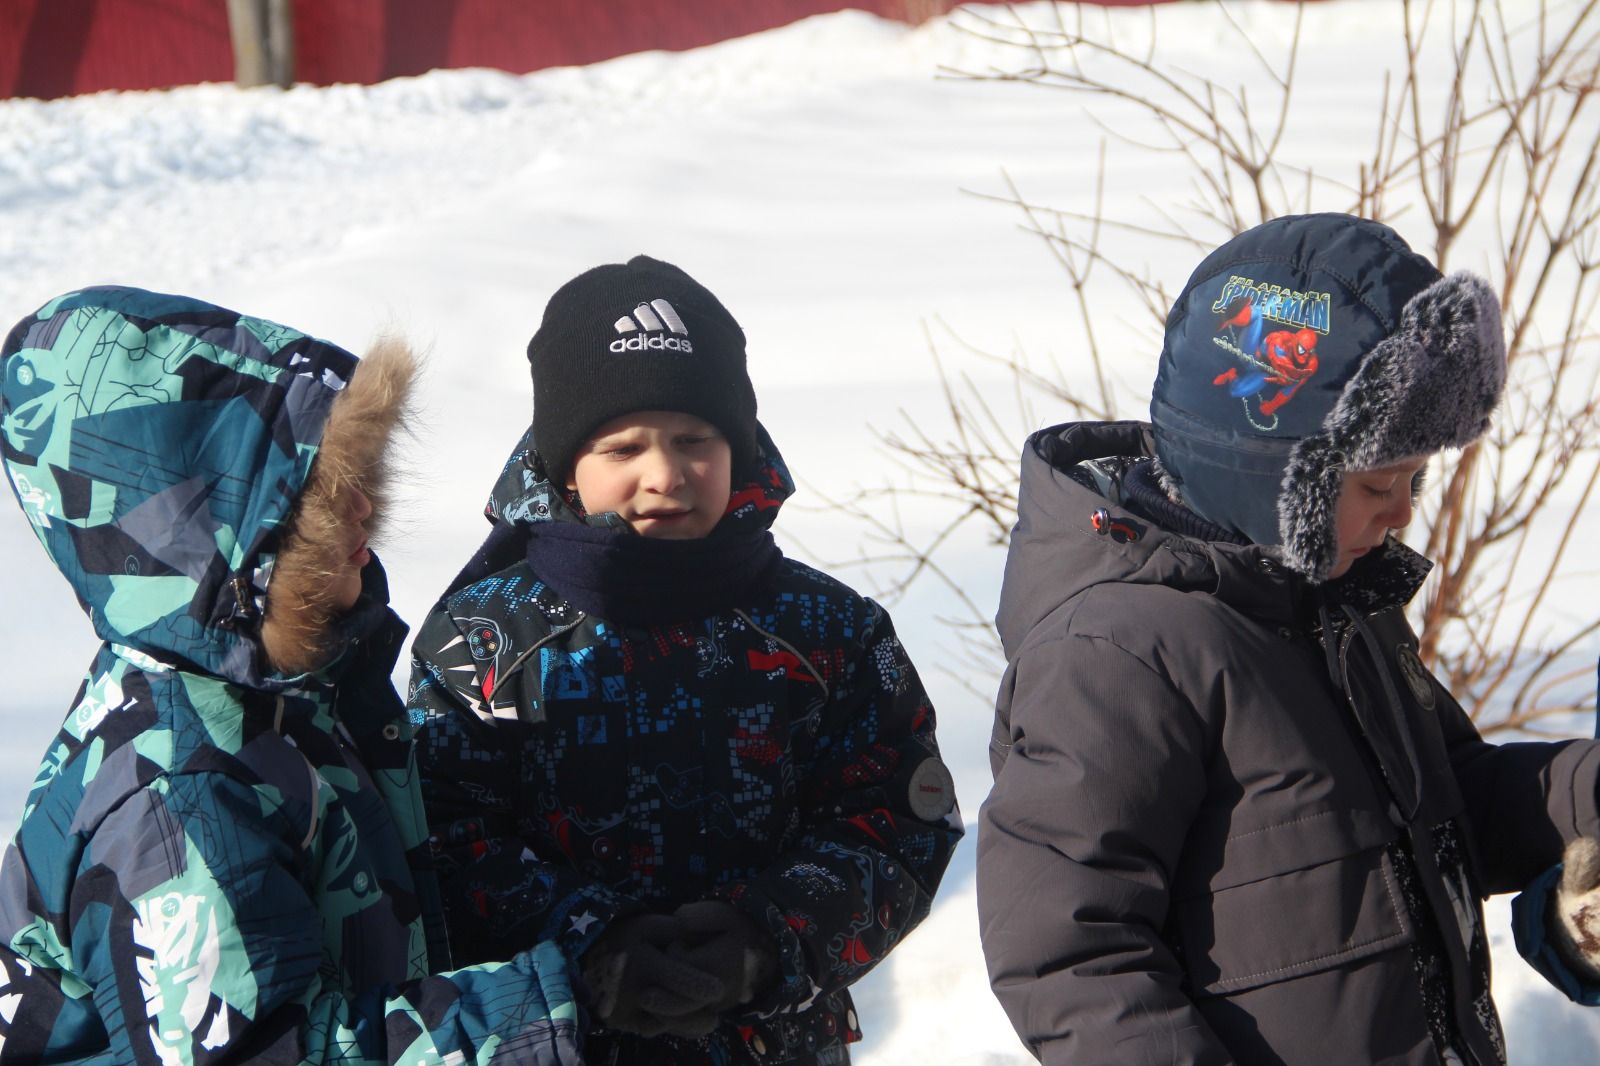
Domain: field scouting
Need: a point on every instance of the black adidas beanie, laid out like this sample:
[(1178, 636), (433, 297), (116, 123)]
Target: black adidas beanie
[(636, 336)]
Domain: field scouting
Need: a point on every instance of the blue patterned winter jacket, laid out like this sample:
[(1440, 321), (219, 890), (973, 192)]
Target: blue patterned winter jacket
[(218, 862), (779, 755)]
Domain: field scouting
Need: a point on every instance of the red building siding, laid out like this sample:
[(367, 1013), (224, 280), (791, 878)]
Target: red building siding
[(52, 48)]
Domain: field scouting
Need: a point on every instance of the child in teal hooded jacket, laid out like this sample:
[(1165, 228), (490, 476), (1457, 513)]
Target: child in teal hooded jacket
[(222, 855)]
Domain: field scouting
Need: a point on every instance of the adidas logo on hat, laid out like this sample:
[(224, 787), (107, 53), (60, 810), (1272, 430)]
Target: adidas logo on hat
[(662, 329)]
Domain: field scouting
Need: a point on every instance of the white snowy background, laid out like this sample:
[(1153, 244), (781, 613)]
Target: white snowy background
[(812, 176)]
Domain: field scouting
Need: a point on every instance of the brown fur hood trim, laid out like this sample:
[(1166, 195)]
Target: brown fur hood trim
[(354, 451)]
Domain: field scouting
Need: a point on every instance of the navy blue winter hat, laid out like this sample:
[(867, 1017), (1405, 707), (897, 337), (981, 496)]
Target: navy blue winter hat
[(1307, 347), (636, 336)]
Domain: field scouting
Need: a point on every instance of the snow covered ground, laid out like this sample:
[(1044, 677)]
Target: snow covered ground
[(812, 176)]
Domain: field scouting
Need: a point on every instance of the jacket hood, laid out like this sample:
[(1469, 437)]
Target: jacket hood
[(1070, 537), (158, 445), (525, 494), (1082, 522)]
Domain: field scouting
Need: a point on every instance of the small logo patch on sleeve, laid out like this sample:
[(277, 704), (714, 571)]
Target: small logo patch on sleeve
[(932, 790)]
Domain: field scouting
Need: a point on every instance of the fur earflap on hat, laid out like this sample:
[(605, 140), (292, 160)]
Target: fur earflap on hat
[(354, 452), (1430, 385)]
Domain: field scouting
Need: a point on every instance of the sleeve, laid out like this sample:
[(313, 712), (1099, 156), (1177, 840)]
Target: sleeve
[(498, 893), (1076, 848), (1524, 801), (193, 922), (880, 823), (1530, 911)]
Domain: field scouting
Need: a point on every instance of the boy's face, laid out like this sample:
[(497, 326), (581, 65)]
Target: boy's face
[(667, 473), (1371, 503)]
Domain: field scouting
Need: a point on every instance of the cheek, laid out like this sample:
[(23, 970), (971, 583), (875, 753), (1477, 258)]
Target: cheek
[(716, 481), (347, 588), (1350, 519), (602, 484), (1360, 520)]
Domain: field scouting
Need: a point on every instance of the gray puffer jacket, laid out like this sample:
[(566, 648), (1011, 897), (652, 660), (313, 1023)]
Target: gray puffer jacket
[(1234, 819)]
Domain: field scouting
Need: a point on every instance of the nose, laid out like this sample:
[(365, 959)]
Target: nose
[(1398, 515), (359, 503), (662, 473)]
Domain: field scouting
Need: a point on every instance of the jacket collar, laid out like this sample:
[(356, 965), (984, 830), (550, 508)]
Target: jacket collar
[(1079, 525)]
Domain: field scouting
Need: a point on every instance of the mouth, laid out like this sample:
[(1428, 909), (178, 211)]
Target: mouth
[(361, 556), (664, 516)]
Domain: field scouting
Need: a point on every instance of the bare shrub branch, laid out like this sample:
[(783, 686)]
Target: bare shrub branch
[(1484, 146)]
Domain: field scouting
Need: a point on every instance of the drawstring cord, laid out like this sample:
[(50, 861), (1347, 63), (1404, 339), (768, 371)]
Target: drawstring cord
[(501, 678), (790, 648), (1330, 644), (1407, 804)]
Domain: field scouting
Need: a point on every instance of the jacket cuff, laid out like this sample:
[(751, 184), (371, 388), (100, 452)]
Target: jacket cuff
[(578, 920), (1529, 912), (793, 985)]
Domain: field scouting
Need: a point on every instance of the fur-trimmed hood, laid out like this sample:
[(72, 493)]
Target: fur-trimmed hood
[(354, 452), (159, 445), (1308, 347)]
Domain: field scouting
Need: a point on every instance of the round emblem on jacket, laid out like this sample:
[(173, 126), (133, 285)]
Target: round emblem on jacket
[(1418, 680), (932, 790)]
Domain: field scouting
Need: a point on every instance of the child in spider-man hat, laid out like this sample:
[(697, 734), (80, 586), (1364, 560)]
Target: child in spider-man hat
[(1235, 818)]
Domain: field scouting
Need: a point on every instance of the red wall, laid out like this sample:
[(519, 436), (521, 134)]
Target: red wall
[(60, 47), (54, 48)]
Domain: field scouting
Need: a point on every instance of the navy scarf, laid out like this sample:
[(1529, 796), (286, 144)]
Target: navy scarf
[(615, 574)]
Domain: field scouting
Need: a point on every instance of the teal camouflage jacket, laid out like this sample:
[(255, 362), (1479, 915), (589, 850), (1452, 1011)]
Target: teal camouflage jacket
[(217, 862)]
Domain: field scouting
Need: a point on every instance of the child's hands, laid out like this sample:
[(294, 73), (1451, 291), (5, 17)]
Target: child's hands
[(658, 973), (1577, 928), (719, 939), (639, 984)]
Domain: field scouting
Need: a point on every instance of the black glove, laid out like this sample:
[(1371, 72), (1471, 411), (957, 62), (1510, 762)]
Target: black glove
[(719, 939), (1577, 925), (637, 986)]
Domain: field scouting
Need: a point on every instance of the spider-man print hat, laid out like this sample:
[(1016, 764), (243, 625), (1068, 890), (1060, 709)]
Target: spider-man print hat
[(1306, 347)]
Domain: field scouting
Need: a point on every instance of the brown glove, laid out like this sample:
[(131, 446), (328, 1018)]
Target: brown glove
[(638, 986), (1576, 929)]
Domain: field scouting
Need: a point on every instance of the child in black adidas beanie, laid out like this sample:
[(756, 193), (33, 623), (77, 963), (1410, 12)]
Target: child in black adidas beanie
[(707, 770)]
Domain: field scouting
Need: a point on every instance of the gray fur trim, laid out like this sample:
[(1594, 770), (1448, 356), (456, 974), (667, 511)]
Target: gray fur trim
[(1168, 481), (1431, 384)]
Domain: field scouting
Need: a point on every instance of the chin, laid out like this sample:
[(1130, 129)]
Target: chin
[(346, 591), (689, 527), (675, 534)]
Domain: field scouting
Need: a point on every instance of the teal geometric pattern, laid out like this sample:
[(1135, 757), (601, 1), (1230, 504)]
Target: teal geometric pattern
[(156, 444), (217, 863)]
